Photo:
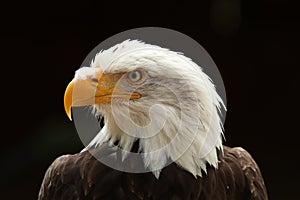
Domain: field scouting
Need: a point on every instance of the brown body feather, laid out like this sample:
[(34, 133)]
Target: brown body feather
[(81, 176)]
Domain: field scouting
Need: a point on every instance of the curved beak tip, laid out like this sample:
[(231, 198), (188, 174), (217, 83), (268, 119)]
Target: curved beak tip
[(68, 100), (69, 116)]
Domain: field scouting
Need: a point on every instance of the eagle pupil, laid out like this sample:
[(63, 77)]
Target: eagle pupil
[(134, 75)]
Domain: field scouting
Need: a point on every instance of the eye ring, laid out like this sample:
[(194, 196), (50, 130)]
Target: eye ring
[(136, 76)]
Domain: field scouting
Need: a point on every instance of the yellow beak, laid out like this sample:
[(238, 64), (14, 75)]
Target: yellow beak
[(83, 92)]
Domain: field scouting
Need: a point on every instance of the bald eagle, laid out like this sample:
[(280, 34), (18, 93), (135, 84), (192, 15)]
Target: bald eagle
[(162, 134)]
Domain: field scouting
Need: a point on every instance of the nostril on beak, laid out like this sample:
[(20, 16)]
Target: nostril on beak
[(95, 80)]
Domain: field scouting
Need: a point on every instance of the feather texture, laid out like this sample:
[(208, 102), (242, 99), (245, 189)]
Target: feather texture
[(81, 176)]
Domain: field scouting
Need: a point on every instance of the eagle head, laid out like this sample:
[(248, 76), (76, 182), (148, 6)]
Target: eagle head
[(155, 96)]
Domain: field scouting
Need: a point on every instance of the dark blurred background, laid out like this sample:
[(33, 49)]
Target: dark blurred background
[(255, 45)]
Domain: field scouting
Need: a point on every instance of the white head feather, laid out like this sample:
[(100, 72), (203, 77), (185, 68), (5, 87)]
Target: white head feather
[(187, 115)]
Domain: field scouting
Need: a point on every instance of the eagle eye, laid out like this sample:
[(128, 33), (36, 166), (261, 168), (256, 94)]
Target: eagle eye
[(135, 76)]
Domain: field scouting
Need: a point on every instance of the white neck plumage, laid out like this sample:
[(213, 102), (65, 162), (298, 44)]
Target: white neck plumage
[(190, 142)]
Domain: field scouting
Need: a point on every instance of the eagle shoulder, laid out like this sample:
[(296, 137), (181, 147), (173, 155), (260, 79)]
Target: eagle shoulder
[(56, 180), (239, 164), (80, 176)]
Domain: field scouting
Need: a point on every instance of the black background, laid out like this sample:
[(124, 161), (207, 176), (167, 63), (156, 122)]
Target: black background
[(256, 51)]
